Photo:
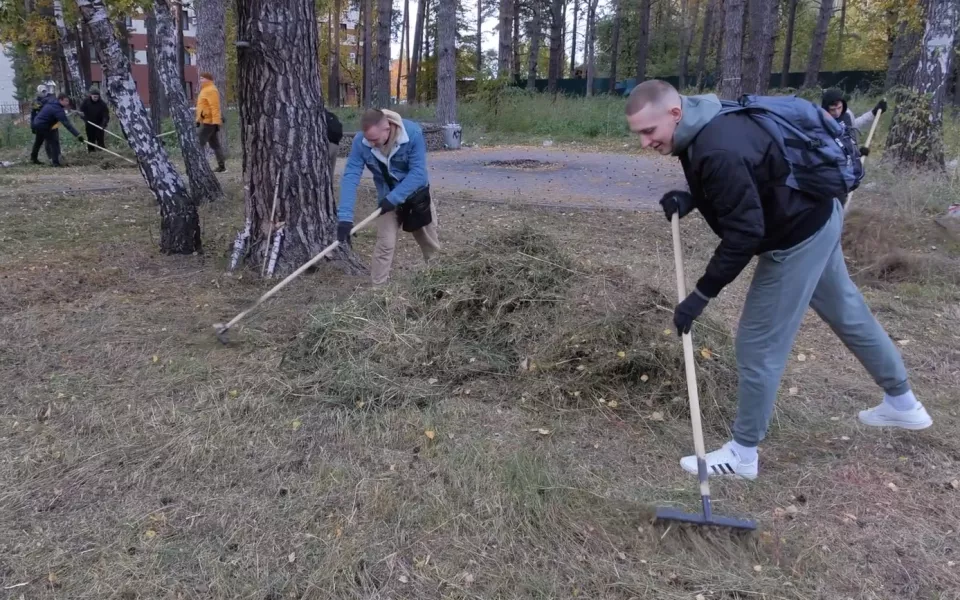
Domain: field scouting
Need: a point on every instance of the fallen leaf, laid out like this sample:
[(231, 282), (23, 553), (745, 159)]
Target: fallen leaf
[(541, 431), (706, 353), (403, 579), (802, 357), (793, 510), (794, 391), (893, 487), (903, 342), (432, 381), (150, 534), (44, 414), (700, 597), (430, 434), (621, 354), (292, 557), (621, 556), (156, 358), (234, 393), (296, 424), (469, 578), (955, 484), (667, 332), (657, 416), (951, 564), (844, 438), (52, 577), (613, 404), (581, 368), (757, 568), (644, 378)]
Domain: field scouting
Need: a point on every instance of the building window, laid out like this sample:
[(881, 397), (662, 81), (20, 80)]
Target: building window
[(187, 58), (343, 26), (190, 89), (184, 20), (128, 22)]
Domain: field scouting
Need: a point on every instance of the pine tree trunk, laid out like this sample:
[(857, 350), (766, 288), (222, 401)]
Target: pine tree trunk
[(506, 50), (212, 49), (643, 40), (367, 53), (688, 21), (752, 42), (157, 111), (404, 37), (555, 65), (614, 46), (731, 85), (447, 62), (591, 43), (384, 19), (533, 51), (905, 57), (768, 45), (815, 59), (718, 57), (479, 36), (203, 183), (283, 140), (78, 86), (179, 222), (515, 43), (333, 83), (788, 43), (573, 34), (417, 45), (843, 24), (705, 43)]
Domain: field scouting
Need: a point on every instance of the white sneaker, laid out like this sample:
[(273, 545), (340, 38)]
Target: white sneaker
[(884, 415), (724, 462)]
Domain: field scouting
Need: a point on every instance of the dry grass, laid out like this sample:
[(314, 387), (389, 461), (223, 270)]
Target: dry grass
[(141, 459)]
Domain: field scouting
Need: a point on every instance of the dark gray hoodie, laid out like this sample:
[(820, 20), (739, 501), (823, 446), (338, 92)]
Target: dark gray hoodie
[(695, 113)]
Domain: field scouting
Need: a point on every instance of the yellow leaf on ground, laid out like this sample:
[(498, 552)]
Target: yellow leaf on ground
[(757, 568), (802, 357), (794, 391), (667, 332), (706, 353), (644, 378), (150, 534), (296, 424), (430, 434), (156, 358), (621, 354), (657, 416), (234, 393), (613, 404)]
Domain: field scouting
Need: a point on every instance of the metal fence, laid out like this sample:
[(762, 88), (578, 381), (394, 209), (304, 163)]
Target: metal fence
[(10, 109)]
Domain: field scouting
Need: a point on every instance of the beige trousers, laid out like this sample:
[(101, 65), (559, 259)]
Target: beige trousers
[(388, 228)]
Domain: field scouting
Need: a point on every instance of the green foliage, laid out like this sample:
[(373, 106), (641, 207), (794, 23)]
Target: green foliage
[(916, 137)]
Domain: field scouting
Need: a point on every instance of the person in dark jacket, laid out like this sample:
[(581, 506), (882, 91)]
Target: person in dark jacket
[(334, 135), (736, 175), (834, 102), (96, 113), (48, 120), (39, 138)]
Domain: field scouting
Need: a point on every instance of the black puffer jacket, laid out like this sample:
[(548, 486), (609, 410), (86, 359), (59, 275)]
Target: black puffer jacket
[(97, 112), (736, 175)]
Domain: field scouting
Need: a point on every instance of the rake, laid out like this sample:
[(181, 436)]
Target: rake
[(672, 514)]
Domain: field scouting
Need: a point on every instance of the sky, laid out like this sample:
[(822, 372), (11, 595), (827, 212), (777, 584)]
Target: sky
[(6, 80)]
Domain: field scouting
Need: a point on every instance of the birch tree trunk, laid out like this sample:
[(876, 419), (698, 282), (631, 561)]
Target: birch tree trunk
[(555, 65), (614, 46), (179, 222), (506, 49), (77, 84), (447, 62), (417, 45), (212, 50), (643, 40), (916, 131), (731, 85), (815, 59), (705, 42), (203, 183), (284, 139), (384, 19)]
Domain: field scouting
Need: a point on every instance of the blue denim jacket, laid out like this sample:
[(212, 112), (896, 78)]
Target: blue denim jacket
[(407, 164)]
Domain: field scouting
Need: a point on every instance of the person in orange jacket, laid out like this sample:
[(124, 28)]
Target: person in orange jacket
[(209, 119)]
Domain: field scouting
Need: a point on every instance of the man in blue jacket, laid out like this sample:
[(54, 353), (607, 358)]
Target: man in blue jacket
[(51, 115), (394, 150)]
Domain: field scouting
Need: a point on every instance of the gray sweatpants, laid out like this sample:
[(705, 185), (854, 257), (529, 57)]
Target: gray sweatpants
[(812, 273)]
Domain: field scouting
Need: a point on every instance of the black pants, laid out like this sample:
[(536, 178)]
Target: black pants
[(96, 136), (50, 139), (208, 135)]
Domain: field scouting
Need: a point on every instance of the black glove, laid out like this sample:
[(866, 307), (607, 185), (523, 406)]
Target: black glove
[(676, 201), (343, 232), (81, 140), (865, 151), (882, 105), (688, 310), (386, 206)]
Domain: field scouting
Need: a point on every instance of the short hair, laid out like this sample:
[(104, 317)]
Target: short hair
[(63, 96), (652, 90), (206, 75), (371, 118)]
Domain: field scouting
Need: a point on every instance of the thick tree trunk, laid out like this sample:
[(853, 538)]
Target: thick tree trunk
[(905, 57), (533, 52), (203, 183), (384, 19), (78, 86), (705, 42), (157, 108), (515, 43), (591, 43), (688, 22), (333, 82), (505, 52), (367, 53), (758, 62), (815, 59), (573, 34), (731, 85), (447, 62), (614, 46), (788, 42), (212, 49), (179, 222), (752, 42), (643, 40), (768, 46), (417, 45), (555, 64), (283, 141)]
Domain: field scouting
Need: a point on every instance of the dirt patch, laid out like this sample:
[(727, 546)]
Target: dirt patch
[(526, 164)]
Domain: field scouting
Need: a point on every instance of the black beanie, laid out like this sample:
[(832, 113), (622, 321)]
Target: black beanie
[(832, 96)]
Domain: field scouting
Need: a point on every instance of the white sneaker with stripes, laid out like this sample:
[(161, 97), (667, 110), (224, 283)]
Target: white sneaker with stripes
[(724, 462)]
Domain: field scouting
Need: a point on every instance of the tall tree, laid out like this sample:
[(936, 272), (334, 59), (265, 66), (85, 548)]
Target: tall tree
[(788, 42), (614, 46), (840, 33), (404, 37), (643, 40), (479, 37), (708, 18), (555, 64), (916, 131), (515, 43), (688, 23), (333, 82), (417, 45), (446, 61), (573, 35), (591, 43), (384, 20), (758, 61), (212, 49), (179, 222), (203, 183), (281, 61), (905, 52), (505, 55), (752, 40), (367, 16), (533, 36), (815, 59), (157, 109), (731, 85), (78, 86), (768, 45)]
